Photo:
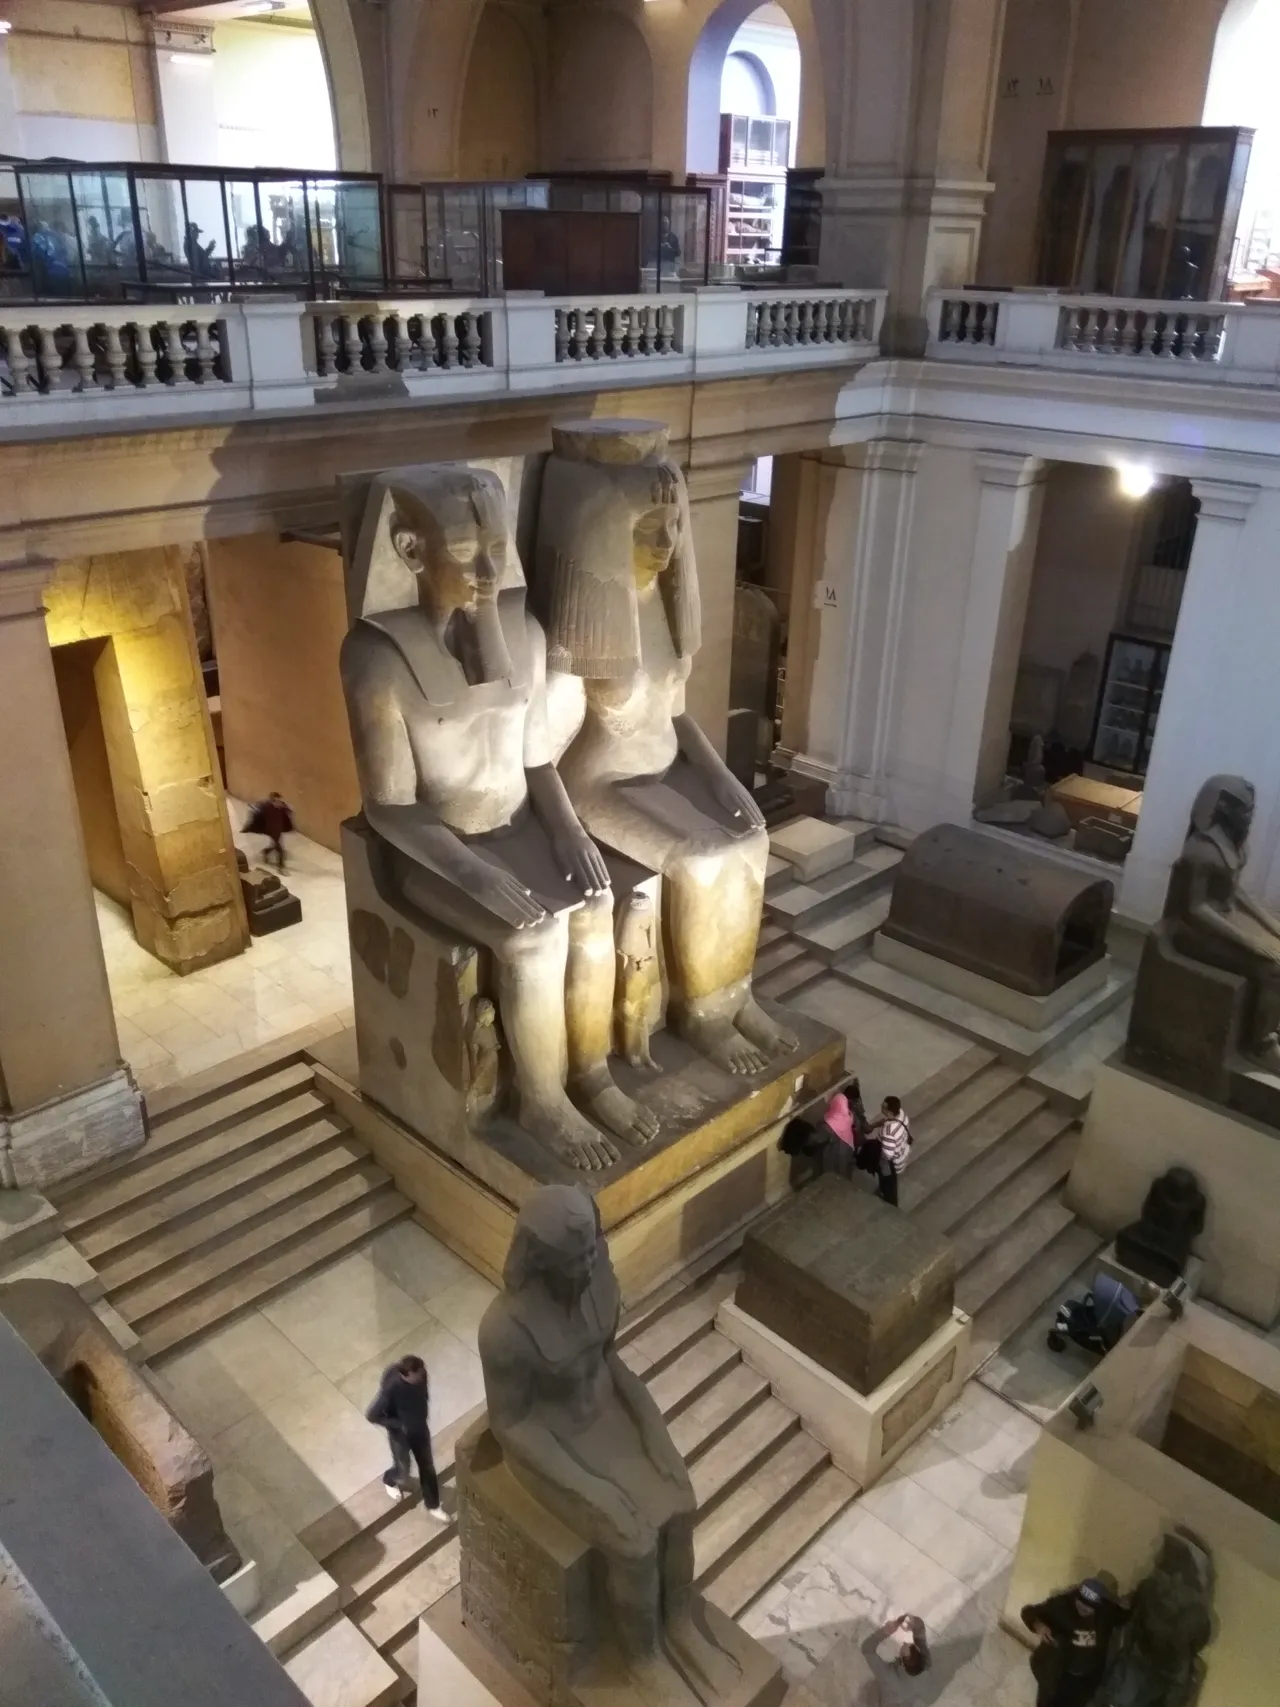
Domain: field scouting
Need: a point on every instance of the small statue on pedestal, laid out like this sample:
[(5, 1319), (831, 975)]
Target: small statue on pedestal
[(1159, 1243)]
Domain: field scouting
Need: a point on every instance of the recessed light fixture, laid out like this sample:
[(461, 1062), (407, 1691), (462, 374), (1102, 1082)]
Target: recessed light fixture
[(1135, 479), (5, 26), (260, 8)]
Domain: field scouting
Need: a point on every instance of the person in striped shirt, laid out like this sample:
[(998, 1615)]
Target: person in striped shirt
[(893, 1129)]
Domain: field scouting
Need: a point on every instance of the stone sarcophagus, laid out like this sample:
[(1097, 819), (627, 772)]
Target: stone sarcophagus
[(850, 1282), (998, 912)]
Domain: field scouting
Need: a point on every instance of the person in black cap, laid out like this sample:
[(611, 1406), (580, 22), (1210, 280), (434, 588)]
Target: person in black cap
[(401, 1408), (1075, 1630)]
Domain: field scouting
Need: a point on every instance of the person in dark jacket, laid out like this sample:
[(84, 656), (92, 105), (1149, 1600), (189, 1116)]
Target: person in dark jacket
[(1075, 1630), (273, 819), (401, 1408)]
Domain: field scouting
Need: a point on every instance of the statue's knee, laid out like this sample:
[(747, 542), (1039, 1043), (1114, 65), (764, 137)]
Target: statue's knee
[(520, 947)]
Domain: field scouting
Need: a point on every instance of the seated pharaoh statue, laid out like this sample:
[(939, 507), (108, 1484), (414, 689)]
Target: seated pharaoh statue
[(471, 828), (594, 1468), (616, 585), (1207, 1001)]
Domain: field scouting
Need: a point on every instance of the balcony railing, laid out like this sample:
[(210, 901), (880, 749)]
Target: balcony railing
[(100, 364), (1227, 342)]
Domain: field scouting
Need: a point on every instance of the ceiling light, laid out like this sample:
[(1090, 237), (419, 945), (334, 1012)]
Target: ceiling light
[(260, 8), (187, 60), (5, 26), (1135, 479)]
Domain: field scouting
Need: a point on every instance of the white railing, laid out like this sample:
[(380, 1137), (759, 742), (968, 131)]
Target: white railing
[(1231, 343), (71, 365)]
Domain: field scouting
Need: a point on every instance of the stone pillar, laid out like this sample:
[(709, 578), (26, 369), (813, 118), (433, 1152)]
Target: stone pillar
[(184, 887), (857, 600), (714, 497), (66, 1101), (990, 640), (1213, 711)]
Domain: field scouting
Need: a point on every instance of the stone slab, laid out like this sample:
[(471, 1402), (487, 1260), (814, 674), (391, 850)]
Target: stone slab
[(852, 1283), (57, 1261), (863, 1432), (1032, 1012), (1136, 1128), (27, 1221), (444, 1677), (1147, 1291), (338, 1667), (811, 847), (1017, 1044)]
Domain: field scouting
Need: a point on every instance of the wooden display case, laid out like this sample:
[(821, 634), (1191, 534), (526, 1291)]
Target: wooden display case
[(753, 156), (1141, 213)]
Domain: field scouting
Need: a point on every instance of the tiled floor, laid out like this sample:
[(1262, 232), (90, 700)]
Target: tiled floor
[(934, 1538), (278, 1397), (890, 1049), (171, 1027)]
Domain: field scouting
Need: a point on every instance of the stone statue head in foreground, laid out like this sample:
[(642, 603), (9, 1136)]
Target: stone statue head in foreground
[(581, 1435)]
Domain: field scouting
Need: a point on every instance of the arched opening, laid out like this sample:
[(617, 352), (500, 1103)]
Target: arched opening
[(746, 86), (498, 128), (601, 100), (1241, 91)]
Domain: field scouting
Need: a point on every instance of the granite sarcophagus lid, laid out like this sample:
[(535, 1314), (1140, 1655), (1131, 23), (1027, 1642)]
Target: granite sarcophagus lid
[(1007, 915), (855, 1285)]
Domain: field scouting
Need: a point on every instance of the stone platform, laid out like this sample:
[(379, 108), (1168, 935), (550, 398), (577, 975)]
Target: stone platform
[(1137, 1128), (713, 1167), (1033, 1012)]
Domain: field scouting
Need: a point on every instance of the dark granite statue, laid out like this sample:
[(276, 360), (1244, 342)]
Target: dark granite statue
[(1208, 989), (1159, 1242), (1156, 1660), (581, 1434)]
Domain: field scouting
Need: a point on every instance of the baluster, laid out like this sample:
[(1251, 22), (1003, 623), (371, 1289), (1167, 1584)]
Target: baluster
[(115, 355), (804, 321), (449, 343), (855, 330), (145, 350), (1160, 342), (176, 352), (793, 323), (764, 324), (822, 322), (433, 339), (17, 358), (82, 357), (631, 331), (352, 344), (581, 335), (648, 329), (946, 321), (205, 352), (752, 334), (607, 331), (396, 342), (470, 339), (562, 334), (377, 343), (416, 334), (326, 347), (666, 329), (50, 360)]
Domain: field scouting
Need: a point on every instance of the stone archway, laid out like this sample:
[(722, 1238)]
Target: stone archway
[(346, 71), (706, 68), (499, 122)]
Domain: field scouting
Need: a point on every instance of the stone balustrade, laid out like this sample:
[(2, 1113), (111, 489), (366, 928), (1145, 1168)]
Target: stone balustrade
[(90, 365), (1228, 342)]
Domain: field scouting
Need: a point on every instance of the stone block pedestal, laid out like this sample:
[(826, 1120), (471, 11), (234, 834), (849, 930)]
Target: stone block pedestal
[(1033, 1012), (1137, 1128), (864, 1432)]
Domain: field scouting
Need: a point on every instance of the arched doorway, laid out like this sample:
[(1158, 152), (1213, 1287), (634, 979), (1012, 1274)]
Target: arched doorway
[(762, 59)]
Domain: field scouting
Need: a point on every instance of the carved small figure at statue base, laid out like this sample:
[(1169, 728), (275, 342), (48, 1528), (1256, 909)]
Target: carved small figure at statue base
[(577, 1466), (638, 979), (482, 1056), (1206, 1008), (1156, 1661), (1159, 1243)]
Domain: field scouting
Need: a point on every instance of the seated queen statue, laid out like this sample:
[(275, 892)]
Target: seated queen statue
[(617, 587), (446, 694)]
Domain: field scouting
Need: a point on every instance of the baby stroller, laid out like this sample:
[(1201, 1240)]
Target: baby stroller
[(1097, 1321)]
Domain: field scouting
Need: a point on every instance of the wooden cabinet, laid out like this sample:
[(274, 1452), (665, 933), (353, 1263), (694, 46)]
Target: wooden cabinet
[(571, 254), (1141, 213), (753, 156)]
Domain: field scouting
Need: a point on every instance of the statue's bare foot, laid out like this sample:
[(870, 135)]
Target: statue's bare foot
[(753, 1022), (616, 1111), (721, 1041), (570, 1137), (713, 1672)]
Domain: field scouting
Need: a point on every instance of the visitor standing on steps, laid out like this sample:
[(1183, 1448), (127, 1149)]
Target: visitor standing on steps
[(401, 1408), (893, 1129)]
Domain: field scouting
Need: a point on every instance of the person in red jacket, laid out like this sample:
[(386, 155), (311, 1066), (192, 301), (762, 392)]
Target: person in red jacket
[(273, 819)]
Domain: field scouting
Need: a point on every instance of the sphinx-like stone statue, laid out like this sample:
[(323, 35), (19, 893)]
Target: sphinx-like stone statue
[(581, 1435), (454, 747), (1156, 1662), (1208, 991), (617, 587)]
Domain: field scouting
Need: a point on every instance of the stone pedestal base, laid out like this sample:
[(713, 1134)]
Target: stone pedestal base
[(1033, 1012), (532, 1591), (67, 1137), (1137, 1128), (864, 1432), (1144, 1290)]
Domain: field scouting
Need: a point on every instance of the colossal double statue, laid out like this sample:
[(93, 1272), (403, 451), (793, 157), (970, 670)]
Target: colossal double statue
[(617, 587), (447, 699)]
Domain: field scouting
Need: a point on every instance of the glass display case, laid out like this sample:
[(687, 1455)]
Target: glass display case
[(753, 156), (1132, 686), (127, 232), (1141, 213)]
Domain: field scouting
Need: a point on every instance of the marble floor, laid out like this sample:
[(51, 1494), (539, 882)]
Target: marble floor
[(934, 1538), (172, 1027)]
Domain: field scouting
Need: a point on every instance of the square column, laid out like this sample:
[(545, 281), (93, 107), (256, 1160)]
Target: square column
[(714, 497), (865, 553), (989, 642), (66, 1101), (1220, 683)]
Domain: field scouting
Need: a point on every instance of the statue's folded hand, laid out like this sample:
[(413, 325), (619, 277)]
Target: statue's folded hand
[(581, 861), (619, 1513), (737, 800)]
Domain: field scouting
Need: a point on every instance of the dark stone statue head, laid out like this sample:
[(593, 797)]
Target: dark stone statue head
[(1224, 803), (556, 1244)]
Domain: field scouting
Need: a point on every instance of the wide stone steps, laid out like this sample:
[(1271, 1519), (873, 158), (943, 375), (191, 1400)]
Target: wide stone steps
[(804, 905), (247, 1181)]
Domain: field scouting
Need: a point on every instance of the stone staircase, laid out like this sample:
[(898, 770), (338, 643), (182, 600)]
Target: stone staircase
[(991, 1156), (765, 1488), (815, 924), (246, 1182)]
